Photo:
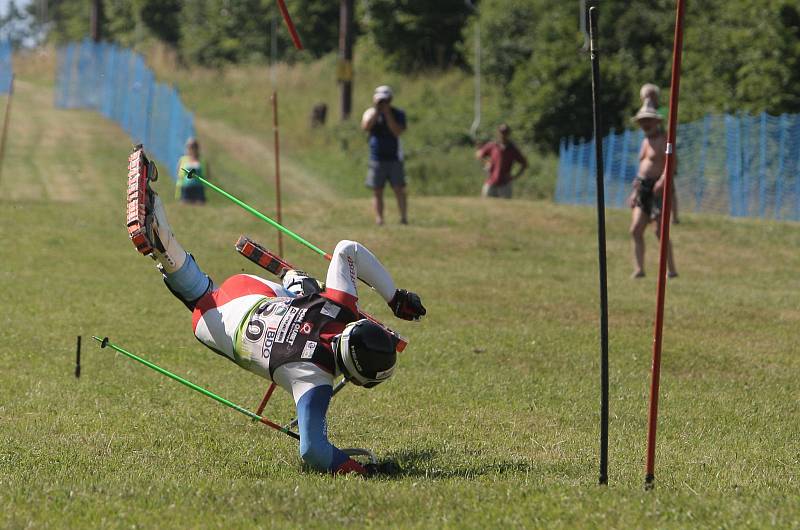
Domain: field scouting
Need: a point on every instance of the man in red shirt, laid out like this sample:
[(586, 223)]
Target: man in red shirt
[(501, 156)]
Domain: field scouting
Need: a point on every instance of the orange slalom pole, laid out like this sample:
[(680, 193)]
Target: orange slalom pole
[(664, 245), (277, 167), (5, 124), (290, 25), (263, 404)]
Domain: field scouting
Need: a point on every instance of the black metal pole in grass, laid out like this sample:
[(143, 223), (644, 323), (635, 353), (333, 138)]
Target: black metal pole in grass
[(78, 358), (601, 246)]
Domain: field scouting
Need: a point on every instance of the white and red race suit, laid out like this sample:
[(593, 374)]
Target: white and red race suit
[(268, 330)]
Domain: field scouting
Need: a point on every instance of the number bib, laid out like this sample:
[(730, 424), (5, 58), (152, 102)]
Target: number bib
[(282, 330)]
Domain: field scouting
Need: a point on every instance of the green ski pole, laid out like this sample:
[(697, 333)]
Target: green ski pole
[(192, 174), (252, 415)]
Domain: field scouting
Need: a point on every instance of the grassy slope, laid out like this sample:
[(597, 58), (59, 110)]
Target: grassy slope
[(492, 415), (439, 154)]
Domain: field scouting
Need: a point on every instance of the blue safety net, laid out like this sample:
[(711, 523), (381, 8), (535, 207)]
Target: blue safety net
[(117, 83), (742, 165), (6, 67)]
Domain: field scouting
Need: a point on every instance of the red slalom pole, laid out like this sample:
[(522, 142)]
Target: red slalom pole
[(290, 25), (277, 167), (263, 404), (664, 245)]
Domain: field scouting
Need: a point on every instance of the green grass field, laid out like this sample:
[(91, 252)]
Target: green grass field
[(493, 414)]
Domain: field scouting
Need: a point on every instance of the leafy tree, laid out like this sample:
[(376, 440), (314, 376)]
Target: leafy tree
[(507, 27), (738, 55), (68, 20), (550, 92), (318, 25), (220, 31), (208, 32), (162, 18), (743, 55), (418, 34), (15, 26)]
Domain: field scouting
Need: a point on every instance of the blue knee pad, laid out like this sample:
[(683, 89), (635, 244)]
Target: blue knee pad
[(188, 283), (315, 449)]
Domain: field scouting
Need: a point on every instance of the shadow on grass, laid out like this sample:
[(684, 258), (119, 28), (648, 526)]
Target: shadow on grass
[(420, 464)]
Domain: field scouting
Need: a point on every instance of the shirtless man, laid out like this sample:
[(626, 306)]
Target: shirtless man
[(646, 197)]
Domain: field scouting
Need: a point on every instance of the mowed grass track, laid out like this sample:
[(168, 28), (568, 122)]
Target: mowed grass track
[(492, 415)]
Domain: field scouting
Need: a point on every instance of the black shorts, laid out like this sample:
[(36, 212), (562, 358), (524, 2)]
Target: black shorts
[(647, 200), (193, 194)]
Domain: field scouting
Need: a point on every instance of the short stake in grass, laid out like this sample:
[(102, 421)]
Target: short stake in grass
[(252, 415), (78, 358)]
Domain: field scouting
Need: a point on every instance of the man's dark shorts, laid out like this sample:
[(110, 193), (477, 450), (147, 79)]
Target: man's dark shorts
[(382, 170), (649, 202)]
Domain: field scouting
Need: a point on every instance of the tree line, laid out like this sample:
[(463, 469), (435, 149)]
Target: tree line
[(739, 55)]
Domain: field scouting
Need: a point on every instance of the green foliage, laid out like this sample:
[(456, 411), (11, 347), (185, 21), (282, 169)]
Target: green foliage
[(317, 23), (207, 32), (749, 60), (163, 18), (15, 25), (738, 55), (220, 31), (505, 29), (120, 23), (69, 20), (417, 34)]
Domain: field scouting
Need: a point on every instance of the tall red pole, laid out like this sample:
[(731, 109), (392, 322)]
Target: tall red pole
[(263, 404), (290, 25), (664, 245), (277, 167)]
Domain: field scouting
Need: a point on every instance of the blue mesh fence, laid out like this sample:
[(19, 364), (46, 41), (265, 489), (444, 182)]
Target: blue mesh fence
[(6, 68), (741, 165), (117, 83)]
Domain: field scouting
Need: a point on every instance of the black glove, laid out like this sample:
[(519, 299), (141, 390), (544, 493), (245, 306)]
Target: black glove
[(386, 468), (407, 305)]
